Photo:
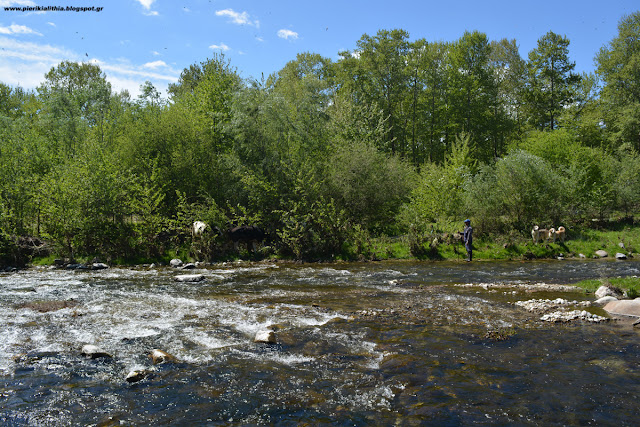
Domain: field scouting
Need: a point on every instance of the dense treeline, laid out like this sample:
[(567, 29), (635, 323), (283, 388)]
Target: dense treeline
[(395, 137)]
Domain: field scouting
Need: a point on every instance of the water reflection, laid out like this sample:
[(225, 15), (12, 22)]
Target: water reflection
[(364, 344)]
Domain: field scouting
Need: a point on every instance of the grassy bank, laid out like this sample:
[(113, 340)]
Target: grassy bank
[(630, 285), (624, 239)]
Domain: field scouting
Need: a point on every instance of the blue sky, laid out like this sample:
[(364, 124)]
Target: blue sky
[(138, 40)]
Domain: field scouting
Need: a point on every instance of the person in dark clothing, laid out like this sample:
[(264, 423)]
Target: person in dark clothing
[(467, 239)]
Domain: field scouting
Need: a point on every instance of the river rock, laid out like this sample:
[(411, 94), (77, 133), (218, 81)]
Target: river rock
[(602, 254), (158, 356), (604, 300), (94, 352), (266, 336), (625, 307), (189, 278), (606, 290), (175, 262), (135, 376), (189, 266), (99, 266), (620, 255), (568, 316)]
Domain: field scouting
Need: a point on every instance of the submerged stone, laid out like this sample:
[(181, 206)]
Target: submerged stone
[(135, 376), (158, 356), (94, 352), (268, 337), (189, 278)]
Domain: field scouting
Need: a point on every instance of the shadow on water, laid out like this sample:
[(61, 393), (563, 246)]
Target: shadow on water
[(393, 343)]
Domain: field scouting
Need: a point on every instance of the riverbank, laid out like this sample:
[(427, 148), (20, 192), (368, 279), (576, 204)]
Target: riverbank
[(579, 243), (619, 241)]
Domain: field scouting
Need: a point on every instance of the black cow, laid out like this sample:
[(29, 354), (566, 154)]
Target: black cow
[(246, 234)]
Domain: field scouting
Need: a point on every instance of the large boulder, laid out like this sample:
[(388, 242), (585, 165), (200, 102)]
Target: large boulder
[(627, 307), (608, 291), (175, 262)]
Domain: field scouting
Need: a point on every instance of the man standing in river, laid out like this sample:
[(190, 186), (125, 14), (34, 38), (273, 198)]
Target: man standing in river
[(467, 238)]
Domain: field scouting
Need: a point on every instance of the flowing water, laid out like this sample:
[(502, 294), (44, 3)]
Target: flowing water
[(389, 343)]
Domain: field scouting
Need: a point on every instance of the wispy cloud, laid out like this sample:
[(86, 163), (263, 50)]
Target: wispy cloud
[(223, 47), (5, 3), (155, 64), (146, 3), (25, 64), (287, 34), (238, 17), (18, 29)]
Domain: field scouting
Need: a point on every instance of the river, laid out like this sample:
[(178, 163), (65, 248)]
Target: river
[(382, 343)]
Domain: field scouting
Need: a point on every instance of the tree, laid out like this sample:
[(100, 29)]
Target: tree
[(551, 81), (618, 65), (471, 87), (507, 96), (380, 76), (75, 96)]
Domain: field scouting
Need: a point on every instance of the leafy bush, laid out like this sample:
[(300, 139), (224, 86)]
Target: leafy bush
[(368, 184), (520, 190)]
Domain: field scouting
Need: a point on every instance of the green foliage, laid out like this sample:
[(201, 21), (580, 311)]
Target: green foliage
[(368, 184), (618, 65), (398, 136), (438, 197), (552, 83), (312, 226), (518, 191)]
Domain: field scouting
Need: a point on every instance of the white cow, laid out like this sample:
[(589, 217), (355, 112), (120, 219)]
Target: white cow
[(197, 229)]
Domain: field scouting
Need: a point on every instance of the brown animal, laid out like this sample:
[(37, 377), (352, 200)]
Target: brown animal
[(561, 233), (540, 234)]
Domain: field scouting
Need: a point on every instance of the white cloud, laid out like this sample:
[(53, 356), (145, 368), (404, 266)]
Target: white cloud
[(5, 3), (18, 29), (146, 3), (223, 47), (287, 34), (155, 64), (237, 17), (52, 24), (24, 64)]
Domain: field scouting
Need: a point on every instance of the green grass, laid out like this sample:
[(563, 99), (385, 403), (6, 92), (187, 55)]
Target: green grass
[(629, 284), (520, 247)]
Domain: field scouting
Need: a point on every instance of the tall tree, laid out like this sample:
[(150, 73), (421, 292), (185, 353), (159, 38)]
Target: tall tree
[(76, 96), (618, 65), (471, 88), (551, 80), (509, 74), (381, 77)]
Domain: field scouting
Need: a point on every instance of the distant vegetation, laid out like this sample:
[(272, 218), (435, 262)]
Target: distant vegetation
[(397, 137)]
